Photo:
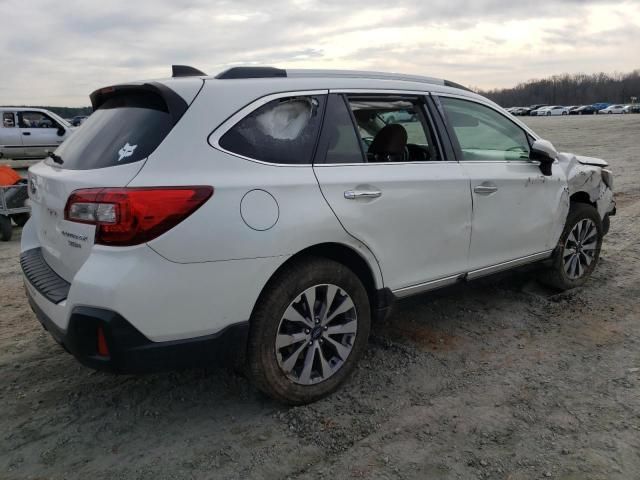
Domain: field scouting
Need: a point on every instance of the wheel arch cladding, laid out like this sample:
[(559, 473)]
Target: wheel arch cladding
[(379, 299), (582, 197)]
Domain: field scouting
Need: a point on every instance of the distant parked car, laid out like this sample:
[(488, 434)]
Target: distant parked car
[(27, 132), (635, 108), (521, 111), (538, 105), (612, 109), (555, 110), (552, 110), (398, 116), (584, 110), (78, 120), (599, 106)]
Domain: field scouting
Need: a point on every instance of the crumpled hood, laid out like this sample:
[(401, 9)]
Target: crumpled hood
[(568, 158), (598, 162)]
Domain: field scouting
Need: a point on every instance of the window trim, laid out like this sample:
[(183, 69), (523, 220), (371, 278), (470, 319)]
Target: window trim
[(56, 124), (420, 95), (13, 115), (321, 152), (454, 138), (214, 137)]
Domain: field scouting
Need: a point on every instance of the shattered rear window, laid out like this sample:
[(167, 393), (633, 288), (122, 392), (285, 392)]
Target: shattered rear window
[(282, 131)]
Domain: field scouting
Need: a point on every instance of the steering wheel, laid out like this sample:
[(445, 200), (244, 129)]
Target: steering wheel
[(417, 153)]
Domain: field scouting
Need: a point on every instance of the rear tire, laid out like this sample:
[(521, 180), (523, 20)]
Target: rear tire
[(578, 249), (293, 356), (6, 229)]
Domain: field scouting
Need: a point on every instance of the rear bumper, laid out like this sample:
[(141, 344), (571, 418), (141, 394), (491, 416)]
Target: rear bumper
[(129, 351)]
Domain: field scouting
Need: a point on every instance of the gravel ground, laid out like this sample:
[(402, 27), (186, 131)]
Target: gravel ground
[(496, 379)]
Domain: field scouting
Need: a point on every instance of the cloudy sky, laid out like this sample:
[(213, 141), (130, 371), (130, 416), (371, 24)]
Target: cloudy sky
[(57, 52)]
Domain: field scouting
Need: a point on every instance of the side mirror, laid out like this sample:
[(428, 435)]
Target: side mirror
[(544, 152), (61, 131)]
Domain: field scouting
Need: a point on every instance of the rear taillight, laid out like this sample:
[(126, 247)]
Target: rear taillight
[(130, 216)]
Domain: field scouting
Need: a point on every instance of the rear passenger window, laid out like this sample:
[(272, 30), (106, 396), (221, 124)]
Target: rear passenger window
[(8, 120), (282, 131), (339, 142)]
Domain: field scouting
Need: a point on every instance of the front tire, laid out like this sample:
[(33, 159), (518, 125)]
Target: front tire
[(308, 331), (578, 250)]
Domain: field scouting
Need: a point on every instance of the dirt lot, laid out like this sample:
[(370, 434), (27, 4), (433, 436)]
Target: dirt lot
[(498, 379)]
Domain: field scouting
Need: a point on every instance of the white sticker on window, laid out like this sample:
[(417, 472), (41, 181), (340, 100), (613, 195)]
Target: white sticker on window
[(126, 151)]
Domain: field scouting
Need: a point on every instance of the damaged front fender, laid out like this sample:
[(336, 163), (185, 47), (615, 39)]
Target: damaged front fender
[(586, 175)]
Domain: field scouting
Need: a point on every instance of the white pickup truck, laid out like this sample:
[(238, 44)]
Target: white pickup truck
[(27, 132)]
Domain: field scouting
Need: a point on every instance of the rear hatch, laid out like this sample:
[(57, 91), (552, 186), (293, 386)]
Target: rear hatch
[(128, 124)]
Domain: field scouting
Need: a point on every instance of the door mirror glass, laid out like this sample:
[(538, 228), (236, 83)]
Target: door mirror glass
[(61, 131), (544, 152)]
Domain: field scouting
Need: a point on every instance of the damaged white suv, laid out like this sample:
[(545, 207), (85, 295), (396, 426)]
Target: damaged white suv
[(274, 213)]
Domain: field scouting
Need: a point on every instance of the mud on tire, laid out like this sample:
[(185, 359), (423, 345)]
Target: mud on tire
[(282, 316)]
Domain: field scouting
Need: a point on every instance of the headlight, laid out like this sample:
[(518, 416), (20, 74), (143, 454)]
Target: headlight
[(607, 178)]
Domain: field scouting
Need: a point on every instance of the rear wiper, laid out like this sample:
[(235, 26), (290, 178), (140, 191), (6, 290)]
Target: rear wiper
[(55, 158)]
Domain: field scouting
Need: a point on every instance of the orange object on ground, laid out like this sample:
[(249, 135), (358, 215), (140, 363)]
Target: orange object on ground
[(8, 176)]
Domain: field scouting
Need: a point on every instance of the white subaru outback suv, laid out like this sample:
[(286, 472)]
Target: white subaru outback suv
[(274, 213)]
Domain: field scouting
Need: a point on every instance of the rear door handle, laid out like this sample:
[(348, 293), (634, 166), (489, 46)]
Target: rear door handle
[(485, 189), (26, 133), (355, 194)]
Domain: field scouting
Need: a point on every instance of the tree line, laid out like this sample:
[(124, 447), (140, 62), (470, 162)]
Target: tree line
[(571, 89)]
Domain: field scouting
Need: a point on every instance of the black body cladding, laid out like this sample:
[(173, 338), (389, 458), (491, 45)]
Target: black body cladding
[(251, 72)]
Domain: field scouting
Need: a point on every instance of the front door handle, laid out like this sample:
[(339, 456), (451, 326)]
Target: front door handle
[(355, 194), (26, 133), (485, 189)]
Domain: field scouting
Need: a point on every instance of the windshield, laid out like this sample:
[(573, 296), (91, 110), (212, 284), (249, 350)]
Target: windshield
[(125, 129)]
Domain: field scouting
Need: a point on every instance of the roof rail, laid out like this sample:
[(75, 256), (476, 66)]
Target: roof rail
[(186, 71), (272, 72), (251, 72), (363, 74)]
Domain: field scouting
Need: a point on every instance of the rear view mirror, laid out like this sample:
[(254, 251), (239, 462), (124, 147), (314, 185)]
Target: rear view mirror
[(544, 152)]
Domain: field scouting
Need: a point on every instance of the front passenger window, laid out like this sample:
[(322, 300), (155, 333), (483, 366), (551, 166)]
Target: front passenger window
[(484, 134), (35, 120)]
